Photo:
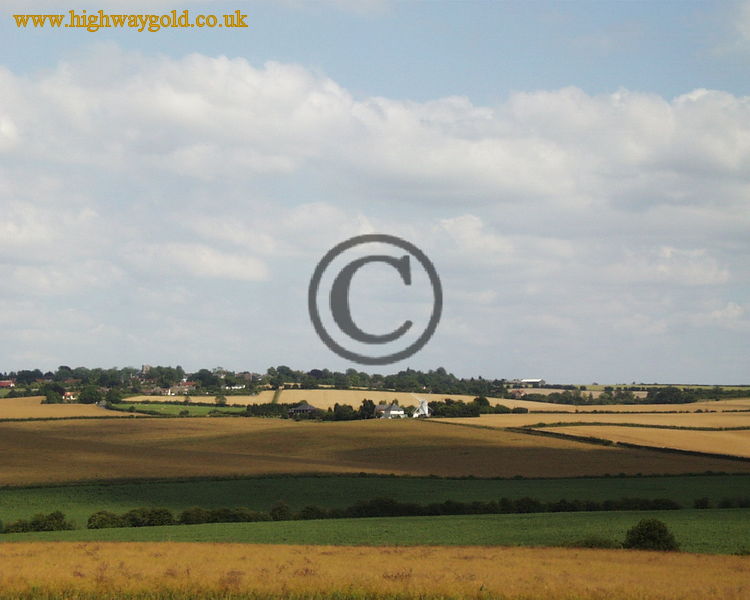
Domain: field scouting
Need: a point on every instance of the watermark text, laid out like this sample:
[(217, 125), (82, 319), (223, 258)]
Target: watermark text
[(94, 21)]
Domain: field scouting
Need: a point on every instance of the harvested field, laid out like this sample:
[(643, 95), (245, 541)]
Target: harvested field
[(32, 408), (184, 570), (713, 420), (56, 451), (325, 398), (736, 443)]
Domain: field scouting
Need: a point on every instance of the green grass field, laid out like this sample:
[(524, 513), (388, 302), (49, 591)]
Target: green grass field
[(173, 409), (704, 531), (78, 502)]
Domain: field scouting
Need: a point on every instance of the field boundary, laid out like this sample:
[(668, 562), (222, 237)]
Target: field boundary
[(643, 425), (362, 475)]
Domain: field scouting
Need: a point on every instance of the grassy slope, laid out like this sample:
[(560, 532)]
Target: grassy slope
[(78, 502), (705, 531)]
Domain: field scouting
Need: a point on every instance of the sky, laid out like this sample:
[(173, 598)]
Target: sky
[(577, 172)]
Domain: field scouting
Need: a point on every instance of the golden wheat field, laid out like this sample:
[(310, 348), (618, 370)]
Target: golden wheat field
[(713, 420), (32, 408), (736, 443), (190, 570), (57, 451), (327, 398)]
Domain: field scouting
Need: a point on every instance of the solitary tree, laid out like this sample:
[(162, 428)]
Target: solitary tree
[(650, 534)]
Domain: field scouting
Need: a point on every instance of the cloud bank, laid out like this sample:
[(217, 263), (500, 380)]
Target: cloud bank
[(164, 210)]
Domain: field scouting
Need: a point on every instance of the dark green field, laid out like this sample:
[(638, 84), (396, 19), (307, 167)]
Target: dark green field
[(705, 531), (78, 502)]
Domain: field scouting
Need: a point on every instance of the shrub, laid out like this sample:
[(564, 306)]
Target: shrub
[(20, 526), (104, 519), (312, 512), (148, 517), (195, 515), (650, 534), (280, 511), (527, 505), (702, 503), (54, 521)]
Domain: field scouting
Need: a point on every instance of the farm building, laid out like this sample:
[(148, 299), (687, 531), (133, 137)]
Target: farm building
[(7, 383), (392, 411), (302, 410)]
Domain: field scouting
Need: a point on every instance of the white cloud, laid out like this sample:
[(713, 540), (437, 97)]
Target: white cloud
[(467, 231), (197, 260), (554, 218), (731, 312), (671, 266)]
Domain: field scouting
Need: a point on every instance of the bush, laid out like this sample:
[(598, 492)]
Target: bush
[(195, 515), (650, 534), (104, 519), (280, 512), (54, 521), (312, 512), (148, 517), (20, 526), (702, 503)]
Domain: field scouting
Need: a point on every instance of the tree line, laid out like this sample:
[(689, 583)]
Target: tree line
[(97, 384)]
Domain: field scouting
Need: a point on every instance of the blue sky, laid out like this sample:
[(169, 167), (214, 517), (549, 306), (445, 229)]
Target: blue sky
[(579, 173)]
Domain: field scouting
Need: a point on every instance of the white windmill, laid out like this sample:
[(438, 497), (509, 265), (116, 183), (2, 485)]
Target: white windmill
[(423, 410)]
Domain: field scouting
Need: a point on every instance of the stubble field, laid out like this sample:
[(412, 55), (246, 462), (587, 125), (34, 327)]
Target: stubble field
[(716, 420), (32, 408), (327, 398), (735, 443)]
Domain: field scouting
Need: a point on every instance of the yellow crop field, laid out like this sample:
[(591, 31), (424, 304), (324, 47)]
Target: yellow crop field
[(189, 570), (32, 408), (326, 398), (57, 451), (736, 443), (714, 420)]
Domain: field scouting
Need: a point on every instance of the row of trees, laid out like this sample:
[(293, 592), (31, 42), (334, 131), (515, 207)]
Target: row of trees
[(377, 507), (215, 381)]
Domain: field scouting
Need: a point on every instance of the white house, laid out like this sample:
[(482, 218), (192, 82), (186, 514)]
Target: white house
[(394, 411)]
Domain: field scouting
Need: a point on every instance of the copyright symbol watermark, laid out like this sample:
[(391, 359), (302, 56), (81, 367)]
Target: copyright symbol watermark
[(340, 305)]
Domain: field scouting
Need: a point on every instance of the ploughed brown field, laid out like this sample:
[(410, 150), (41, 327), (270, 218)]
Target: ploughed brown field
[(736, 443), (184, 570), (69, 450), (32, 408)]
